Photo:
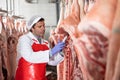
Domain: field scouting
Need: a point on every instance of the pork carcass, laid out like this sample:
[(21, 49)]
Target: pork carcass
[(113, 58), (92, 44), (69, 69), (54, 37), (12, 43), (5, 59), (72, 20), (1, 43)]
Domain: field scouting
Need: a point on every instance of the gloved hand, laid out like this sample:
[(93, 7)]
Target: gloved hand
[(57, 48)]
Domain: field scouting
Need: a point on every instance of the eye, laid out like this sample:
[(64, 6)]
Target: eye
[(39, 26)]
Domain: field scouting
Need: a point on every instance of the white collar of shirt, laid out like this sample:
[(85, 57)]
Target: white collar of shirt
[(30, 34)]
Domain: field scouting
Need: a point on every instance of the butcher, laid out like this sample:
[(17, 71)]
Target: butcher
[(33, 52)]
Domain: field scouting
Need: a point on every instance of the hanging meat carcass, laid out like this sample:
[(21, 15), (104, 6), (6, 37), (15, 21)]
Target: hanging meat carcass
[(69, 69), (91, 45), (12, 43), (113, 58), (5, 58), (1, 43), (8, 40)]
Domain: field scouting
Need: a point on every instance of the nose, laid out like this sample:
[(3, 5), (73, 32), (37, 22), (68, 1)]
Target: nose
[(43, 27)]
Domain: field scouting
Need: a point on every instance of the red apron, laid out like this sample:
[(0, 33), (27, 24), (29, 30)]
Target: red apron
[(32, 71)]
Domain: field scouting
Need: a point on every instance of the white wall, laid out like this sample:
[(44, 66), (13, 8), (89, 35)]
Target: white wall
[(3, 4), (42, 8)]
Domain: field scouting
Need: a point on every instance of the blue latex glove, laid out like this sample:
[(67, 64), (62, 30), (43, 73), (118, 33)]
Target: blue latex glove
[(57, 48)]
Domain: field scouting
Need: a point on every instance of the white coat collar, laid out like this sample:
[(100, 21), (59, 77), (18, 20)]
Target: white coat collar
[(30, 34)]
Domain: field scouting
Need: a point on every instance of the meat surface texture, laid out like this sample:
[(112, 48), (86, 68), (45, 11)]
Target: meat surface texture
[(89, 28)]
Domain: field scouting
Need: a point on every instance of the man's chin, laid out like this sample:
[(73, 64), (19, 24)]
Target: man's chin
[(42, 35)]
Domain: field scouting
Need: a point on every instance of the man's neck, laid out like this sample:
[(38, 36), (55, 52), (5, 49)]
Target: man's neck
[(38, 38)]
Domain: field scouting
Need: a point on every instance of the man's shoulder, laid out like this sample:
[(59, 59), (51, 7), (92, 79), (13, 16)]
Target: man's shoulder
[(25, 36)]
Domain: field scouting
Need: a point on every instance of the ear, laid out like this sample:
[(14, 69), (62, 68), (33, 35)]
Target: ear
[(32, 29)]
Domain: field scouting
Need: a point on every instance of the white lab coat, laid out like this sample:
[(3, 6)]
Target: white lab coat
[(25, 51)]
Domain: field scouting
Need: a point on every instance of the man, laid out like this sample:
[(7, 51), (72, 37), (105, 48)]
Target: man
[(33, 52)]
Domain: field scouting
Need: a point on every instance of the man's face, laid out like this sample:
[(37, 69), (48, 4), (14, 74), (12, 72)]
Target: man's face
[(39, 29)]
